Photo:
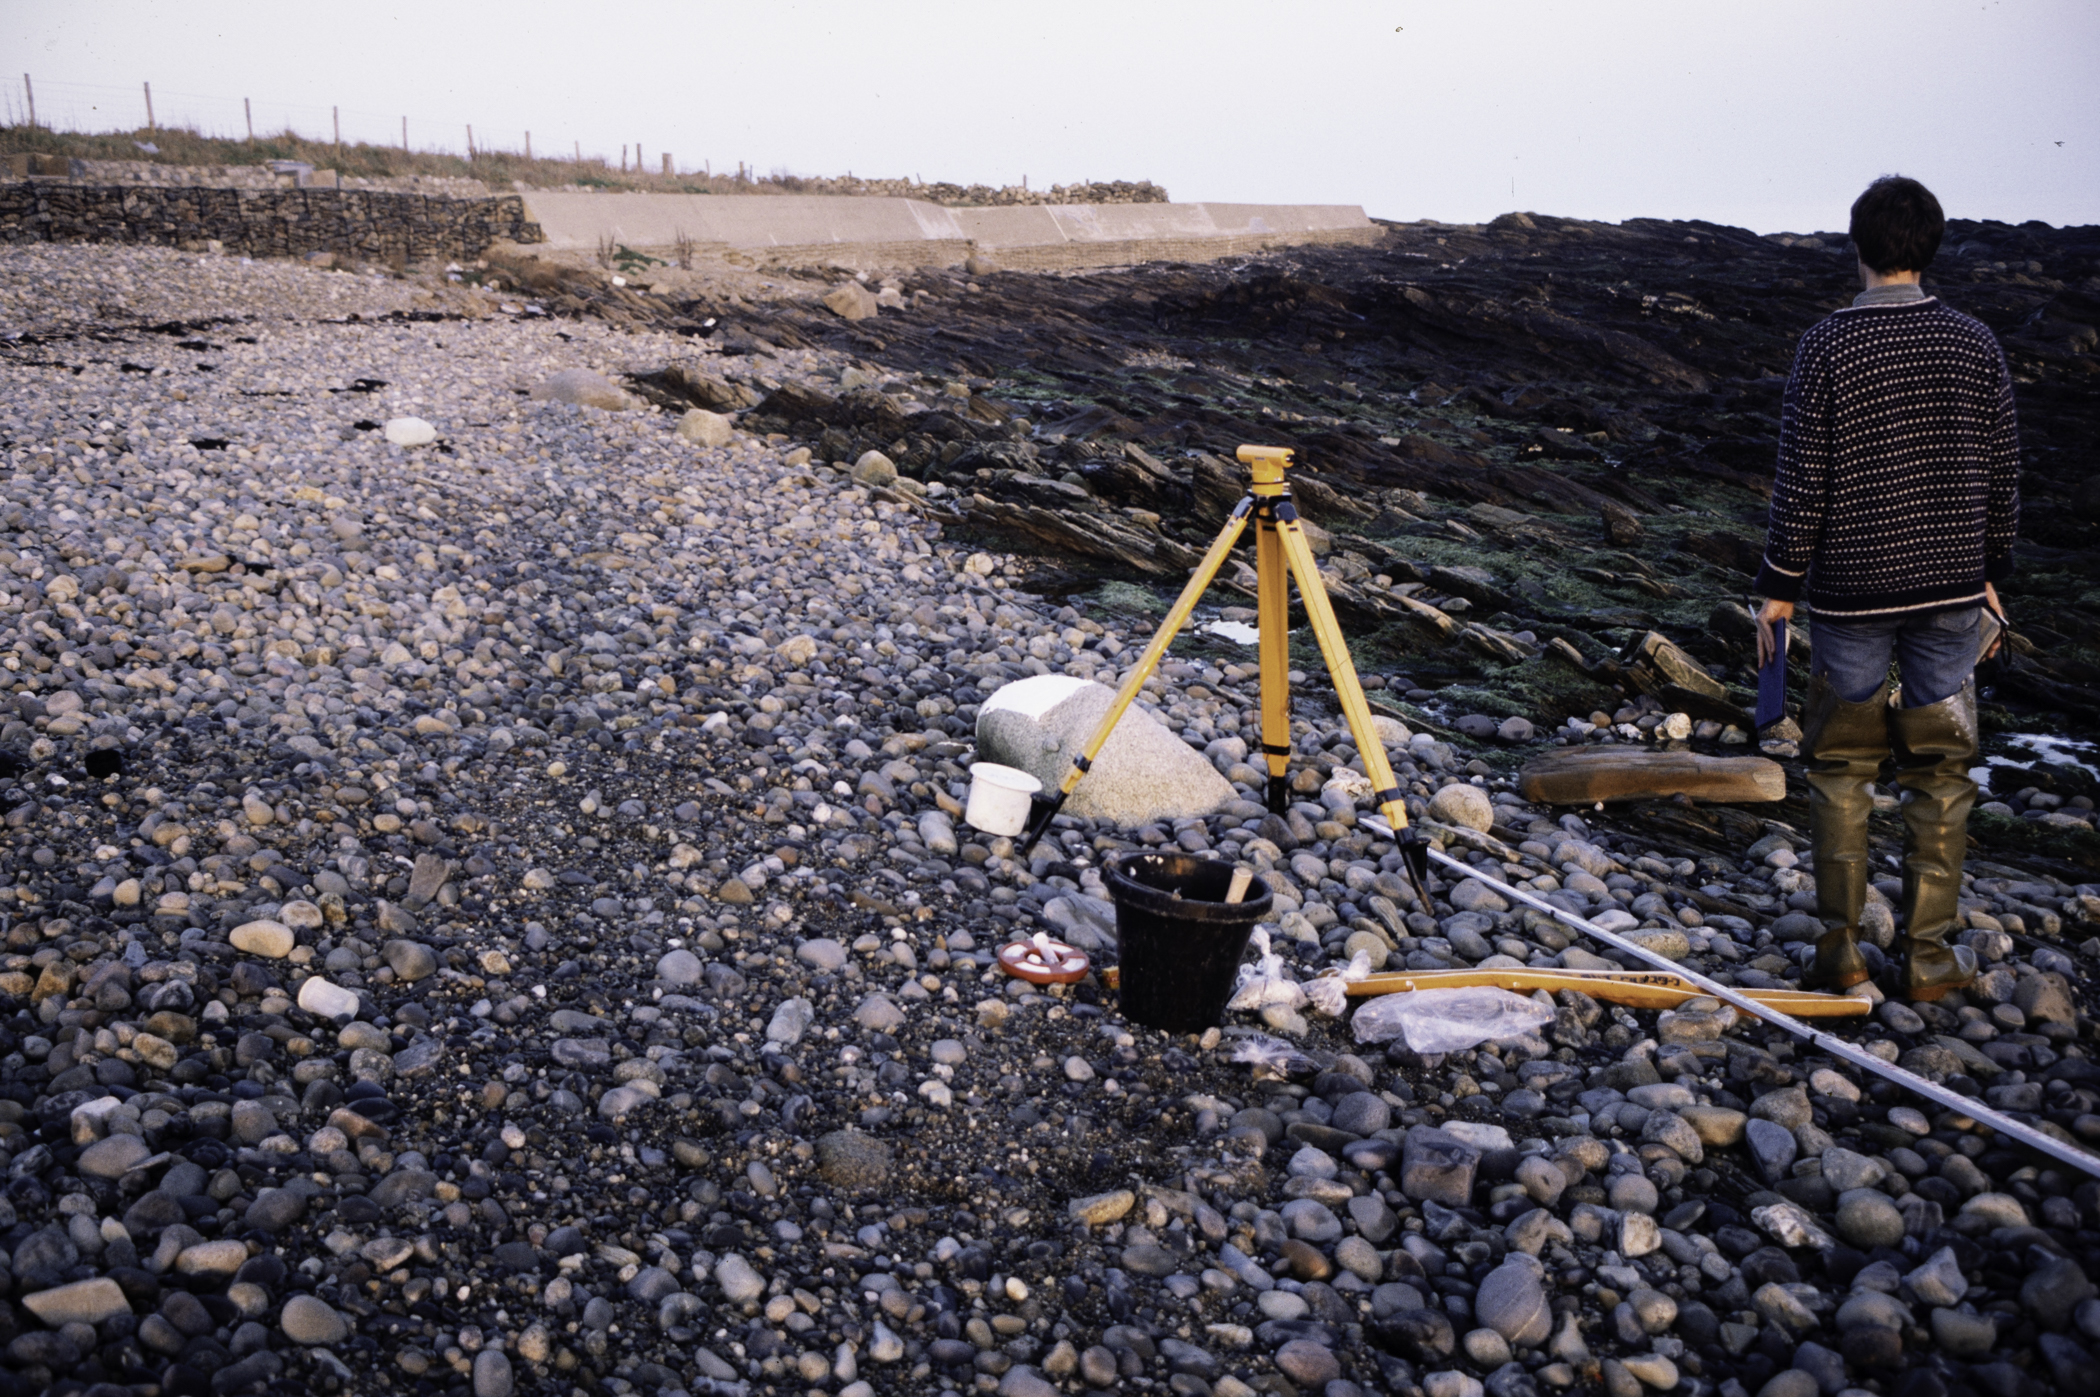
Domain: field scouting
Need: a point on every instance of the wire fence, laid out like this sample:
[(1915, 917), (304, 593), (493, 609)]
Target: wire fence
[(84, 108), (123, 122)]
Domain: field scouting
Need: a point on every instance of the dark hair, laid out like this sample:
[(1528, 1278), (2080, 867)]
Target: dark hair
[(1896, 225)]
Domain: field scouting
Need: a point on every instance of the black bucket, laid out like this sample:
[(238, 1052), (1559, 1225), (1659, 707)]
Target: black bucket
[(1180, 955)]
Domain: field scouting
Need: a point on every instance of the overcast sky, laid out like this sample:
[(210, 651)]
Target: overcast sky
[(1770, 114)]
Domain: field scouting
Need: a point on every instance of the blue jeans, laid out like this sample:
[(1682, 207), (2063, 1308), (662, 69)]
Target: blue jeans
[(1935, 653)]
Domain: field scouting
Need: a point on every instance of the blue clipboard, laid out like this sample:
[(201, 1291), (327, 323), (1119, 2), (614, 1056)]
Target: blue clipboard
[(1771, 680)]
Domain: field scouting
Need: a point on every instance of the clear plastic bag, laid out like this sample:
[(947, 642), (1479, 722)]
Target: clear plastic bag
[(1260, 1050), (1449, 1021), (1330, 992), (1273, 1059), (1264, 983)]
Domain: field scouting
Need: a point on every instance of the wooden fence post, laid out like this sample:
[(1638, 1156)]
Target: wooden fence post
[(29, 89), (248, 111), (470, 140), (528, 145), (667, 164), (150, 125), (336, 115), (404, 135)]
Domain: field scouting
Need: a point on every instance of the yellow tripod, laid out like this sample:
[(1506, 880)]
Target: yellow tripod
[(1280, 553)]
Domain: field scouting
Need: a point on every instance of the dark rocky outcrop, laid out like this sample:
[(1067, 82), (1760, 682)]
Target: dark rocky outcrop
[(1567, 426)]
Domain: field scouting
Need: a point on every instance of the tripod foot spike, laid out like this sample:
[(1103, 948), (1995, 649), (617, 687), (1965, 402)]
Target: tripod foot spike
[(1414, 856), (1042, 809)]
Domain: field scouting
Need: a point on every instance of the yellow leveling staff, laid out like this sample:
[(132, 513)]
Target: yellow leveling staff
[(1639, 989)]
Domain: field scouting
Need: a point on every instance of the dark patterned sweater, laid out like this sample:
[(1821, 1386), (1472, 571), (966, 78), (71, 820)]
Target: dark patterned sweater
[(1898, 486)]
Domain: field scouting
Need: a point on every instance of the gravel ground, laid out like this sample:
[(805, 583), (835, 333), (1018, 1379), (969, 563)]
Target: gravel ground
[(529, 944)]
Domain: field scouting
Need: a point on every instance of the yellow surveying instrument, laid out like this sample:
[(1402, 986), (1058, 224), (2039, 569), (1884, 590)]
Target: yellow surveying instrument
[(1280, 553)]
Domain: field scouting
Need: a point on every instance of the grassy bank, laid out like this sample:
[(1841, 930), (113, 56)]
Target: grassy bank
[(496, 168), (500, 169)]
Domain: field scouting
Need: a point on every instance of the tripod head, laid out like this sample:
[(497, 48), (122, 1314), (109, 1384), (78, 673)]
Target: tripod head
[(1269, 463)]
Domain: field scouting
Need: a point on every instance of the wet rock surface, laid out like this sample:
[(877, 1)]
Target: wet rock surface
[(494, 917)]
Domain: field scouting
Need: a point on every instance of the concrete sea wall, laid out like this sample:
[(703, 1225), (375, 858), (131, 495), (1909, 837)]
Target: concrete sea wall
[(889, 231)]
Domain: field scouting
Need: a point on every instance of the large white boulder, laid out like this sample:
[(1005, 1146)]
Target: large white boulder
[(1143, 773)]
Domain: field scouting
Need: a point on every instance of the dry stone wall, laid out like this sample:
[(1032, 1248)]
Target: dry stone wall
[(151, 172), (263, 222)]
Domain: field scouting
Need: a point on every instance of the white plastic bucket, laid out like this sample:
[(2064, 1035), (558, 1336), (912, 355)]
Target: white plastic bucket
[(999, 798)]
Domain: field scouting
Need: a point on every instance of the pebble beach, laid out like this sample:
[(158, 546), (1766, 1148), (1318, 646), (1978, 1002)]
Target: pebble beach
[(496, 916)]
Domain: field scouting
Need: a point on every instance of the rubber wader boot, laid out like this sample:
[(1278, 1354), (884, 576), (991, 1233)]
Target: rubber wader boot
[(1846, 744), (1934, 746)]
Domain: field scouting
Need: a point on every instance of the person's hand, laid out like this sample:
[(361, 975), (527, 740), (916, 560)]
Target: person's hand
[(1767, 640), (1990, 599)]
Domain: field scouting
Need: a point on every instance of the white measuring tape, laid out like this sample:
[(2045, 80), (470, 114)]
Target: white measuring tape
[(1836, 1047)]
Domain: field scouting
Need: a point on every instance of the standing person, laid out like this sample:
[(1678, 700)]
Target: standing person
[(1893, 516)]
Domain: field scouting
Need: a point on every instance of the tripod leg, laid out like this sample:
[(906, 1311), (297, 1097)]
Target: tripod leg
[(1045, 807), (1274, 614), (1414, 849)]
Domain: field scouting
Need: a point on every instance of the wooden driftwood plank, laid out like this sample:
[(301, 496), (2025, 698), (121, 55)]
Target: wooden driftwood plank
[(1591, 774)]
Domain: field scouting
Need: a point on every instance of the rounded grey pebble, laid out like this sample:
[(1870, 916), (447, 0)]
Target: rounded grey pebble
[(275, 1209), (853, 1159), (1307, 1363), (307, 1320), (679, 968), (1362, 1113), (1512, 1302), (1634, 1193), (1791, 1382), (1868, 1220), (410, 960), (492, 1374), (822, 953)]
